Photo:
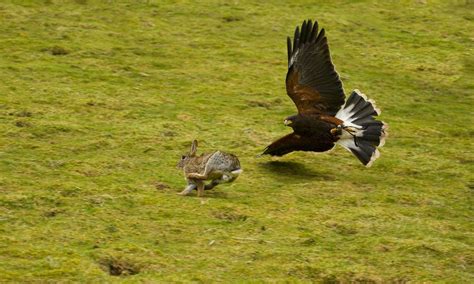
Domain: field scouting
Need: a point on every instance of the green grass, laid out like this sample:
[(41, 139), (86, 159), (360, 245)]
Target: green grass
[(89, 140)]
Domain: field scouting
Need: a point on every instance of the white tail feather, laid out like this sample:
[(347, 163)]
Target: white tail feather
[(361, 132)]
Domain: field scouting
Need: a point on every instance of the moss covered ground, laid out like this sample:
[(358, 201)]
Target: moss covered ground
[(98, 100)]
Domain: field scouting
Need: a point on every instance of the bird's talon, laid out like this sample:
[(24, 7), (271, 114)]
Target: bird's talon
[(336, 130)]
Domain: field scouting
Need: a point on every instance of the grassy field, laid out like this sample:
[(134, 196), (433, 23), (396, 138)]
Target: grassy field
[(98, 100)]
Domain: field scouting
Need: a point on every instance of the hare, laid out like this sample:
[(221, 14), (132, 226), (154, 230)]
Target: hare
[(218, 167)]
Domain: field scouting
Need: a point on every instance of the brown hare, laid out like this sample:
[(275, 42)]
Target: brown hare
[(218, 167)]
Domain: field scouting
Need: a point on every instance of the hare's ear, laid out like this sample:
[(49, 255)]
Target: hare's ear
[(193, 148)]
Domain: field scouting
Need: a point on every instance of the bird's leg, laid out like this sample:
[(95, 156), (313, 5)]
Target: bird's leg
[(351, 131), (337, 131), (355, 140)]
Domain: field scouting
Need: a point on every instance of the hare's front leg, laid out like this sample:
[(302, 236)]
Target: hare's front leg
[(200, 188), (188, 189)]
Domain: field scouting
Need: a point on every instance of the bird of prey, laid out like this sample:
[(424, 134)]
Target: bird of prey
[(323, 118)]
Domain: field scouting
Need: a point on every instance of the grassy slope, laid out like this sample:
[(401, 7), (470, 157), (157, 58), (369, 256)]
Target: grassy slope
[(87, 138)]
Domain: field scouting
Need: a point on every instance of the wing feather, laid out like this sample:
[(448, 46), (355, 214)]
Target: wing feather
[(312, 81), (288, 41), (294, 142)]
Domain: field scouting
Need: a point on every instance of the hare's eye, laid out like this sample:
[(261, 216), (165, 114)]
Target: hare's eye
[(182, 157)]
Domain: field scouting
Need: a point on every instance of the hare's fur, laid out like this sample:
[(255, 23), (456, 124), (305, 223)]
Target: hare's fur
[(218, 167)]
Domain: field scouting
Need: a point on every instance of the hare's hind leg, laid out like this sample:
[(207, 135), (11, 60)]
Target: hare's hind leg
[(197, 176), (230, 177), (212, 184), (205, 174)]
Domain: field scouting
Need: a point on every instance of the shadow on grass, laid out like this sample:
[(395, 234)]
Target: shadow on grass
[(215, 193), (293, 170)]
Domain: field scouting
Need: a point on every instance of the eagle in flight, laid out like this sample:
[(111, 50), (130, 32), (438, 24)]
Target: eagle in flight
[(323, 118)]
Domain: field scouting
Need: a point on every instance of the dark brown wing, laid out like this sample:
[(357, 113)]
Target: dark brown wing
[(312, 82), (294, 142)]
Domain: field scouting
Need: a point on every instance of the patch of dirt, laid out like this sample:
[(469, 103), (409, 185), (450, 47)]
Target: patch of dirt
[(169, 133), (383, 248), (229, 19), (230, 216), (161, 186), (70, 192), (52, 213), (184, 117), (22, 123), (342, 230), (56, 50), (119, 267), (308, 242), (22, 113)]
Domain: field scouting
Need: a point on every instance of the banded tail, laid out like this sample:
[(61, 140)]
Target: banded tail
[(362, 134)]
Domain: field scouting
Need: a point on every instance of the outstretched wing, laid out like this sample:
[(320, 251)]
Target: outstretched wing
[(312, 82), (294, 142)]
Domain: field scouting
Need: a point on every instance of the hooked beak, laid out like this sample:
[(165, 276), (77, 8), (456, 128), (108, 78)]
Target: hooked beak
[(287, 122)]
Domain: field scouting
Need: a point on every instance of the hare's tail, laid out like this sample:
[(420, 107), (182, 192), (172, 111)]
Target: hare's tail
[(225, 178), (236, 172)]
